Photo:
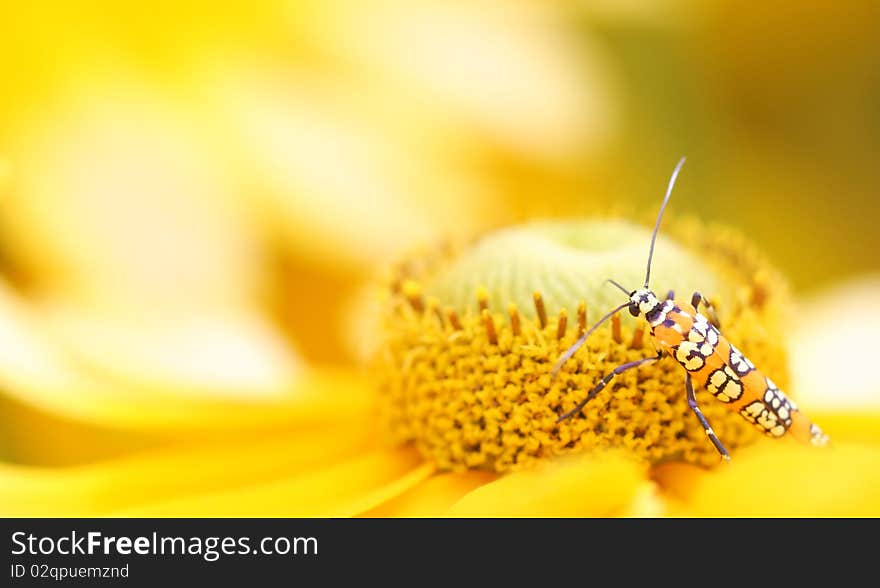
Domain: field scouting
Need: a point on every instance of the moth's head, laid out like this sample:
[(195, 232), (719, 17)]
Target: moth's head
[(642, 301)]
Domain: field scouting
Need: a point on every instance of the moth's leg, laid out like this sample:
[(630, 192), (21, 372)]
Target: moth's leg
[(696, 299), (605, 380), (692, 402)]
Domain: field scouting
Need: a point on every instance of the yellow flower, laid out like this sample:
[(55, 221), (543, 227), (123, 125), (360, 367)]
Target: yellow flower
[(193, 198), (471, 339), (321, 449)]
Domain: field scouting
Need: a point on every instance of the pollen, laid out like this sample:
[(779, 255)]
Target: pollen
[(471, 334)]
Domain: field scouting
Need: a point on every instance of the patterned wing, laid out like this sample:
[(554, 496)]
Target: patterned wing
[(771, 412)]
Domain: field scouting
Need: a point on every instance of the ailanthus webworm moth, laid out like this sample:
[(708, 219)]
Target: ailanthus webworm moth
[(696, 343)]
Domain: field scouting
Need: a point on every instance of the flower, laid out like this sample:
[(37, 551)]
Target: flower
[(472, 386), (322, 449), (191, 201)]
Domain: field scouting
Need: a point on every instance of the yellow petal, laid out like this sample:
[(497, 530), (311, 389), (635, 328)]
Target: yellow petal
[(514, 71), (35, 371), (5, 173), (852, 427), (122, 198), (832, 348), (388, 492), (646, 503), (339, 180), (57, 409), (783, 480), (177, 473), (36, 437), (675, 481), (596, 485), (234, 354), (433, 496), (331, 491), (54, 437)]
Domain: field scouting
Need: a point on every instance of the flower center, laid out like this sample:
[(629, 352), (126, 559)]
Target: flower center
[(471, 336)]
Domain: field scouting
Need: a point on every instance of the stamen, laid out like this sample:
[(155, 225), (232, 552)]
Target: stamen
[(412, 290), (515, 326), (453, 319), (561, 325), (638, 338), (483, 298), (759, 293), (582, 318), (490, 327), (615, 329), (434, 308), (539, 308)]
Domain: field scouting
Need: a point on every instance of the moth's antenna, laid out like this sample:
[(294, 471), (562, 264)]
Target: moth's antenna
[(660, 217), (619, 287), (570, 351)]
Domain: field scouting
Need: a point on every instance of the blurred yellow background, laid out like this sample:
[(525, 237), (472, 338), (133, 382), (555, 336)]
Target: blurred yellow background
[(194, 195)]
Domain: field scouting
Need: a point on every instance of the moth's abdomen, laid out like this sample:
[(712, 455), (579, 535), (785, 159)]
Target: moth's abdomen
[(729, 375)]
